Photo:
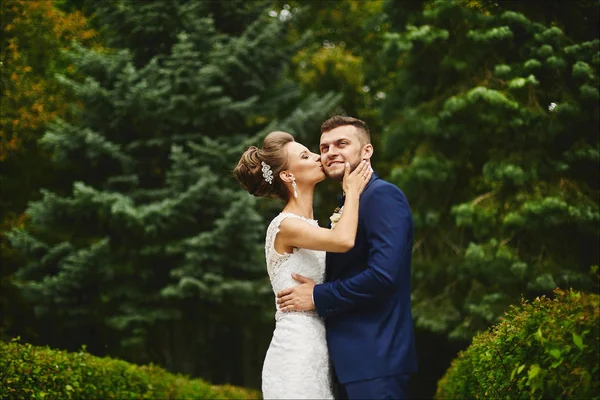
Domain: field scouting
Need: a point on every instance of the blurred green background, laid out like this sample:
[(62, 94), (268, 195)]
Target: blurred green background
[(123, 229)]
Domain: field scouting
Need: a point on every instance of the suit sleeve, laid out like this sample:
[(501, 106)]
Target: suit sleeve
[(388, 228)]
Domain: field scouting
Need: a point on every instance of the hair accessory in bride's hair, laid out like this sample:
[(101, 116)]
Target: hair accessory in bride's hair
[(267, 172)]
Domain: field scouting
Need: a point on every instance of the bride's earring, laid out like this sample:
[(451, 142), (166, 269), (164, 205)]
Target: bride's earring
[(294, 186)]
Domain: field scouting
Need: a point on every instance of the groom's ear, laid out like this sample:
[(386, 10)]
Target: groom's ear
[(286, 176), (367, 151)]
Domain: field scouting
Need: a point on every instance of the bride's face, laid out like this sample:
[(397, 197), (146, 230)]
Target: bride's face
[(304, 165)]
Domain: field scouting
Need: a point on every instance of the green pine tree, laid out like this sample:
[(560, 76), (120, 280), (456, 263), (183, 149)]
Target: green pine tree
[(157, 254), (492, 131)]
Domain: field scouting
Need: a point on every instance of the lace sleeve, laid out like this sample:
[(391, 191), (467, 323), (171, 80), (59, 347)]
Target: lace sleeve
[(274, 259)]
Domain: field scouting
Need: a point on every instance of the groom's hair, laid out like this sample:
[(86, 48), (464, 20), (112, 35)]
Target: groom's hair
[(340, 120)]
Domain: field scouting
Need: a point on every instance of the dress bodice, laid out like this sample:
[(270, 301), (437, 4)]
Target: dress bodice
[(308, 263)]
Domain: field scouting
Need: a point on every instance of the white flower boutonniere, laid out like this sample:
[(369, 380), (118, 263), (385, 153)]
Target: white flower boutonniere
[(335, 217)]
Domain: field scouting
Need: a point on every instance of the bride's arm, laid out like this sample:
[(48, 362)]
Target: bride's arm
[(297, 233)]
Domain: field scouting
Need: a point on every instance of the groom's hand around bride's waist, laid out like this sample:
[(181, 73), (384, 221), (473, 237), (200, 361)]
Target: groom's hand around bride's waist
[(297, 298)]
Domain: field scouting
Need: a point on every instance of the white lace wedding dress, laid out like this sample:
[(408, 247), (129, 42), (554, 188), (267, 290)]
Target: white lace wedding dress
[(297, 363)]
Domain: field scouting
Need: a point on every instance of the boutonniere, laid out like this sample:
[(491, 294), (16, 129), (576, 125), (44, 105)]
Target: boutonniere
[(335, 217)]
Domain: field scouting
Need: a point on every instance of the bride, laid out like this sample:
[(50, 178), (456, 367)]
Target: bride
[(297, 362)]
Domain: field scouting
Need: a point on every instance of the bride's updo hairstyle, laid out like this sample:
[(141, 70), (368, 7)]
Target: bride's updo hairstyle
[(249, 169)]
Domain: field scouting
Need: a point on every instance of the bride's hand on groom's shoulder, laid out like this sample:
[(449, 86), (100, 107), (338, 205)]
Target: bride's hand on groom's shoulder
[(297, 298)]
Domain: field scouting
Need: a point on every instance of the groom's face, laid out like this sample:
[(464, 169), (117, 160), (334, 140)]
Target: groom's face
[(341, 145)]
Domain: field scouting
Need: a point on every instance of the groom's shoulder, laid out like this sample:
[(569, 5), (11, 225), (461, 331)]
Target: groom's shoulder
[(384, 193), (381, 187), (384, 196)]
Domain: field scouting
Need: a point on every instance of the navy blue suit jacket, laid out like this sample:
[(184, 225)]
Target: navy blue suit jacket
[(366, 295)]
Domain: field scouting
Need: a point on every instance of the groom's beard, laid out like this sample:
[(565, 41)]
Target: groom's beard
[(334, 177), (338, 176)]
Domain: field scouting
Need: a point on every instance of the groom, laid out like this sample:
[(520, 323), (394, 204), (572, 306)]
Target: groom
[(366, 297)]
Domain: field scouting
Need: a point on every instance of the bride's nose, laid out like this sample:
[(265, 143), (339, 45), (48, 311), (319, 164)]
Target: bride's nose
[(316, 157)]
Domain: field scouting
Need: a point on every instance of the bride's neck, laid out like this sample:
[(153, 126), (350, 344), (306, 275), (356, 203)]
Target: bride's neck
[(301, 205)]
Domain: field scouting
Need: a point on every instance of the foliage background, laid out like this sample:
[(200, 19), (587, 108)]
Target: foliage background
[(541, 349), (122, 228)]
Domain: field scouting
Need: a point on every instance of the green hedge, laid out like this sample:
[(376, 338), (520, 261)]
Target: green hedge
[(30, 372), (547, 348)]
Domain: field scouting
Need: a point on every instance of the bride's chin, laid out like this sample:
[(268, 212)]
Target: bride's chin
[(320, 179)]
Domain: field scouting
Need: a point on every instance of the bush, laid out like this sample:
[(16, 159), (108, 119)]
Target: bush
[(547, 348), (32, 372)]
